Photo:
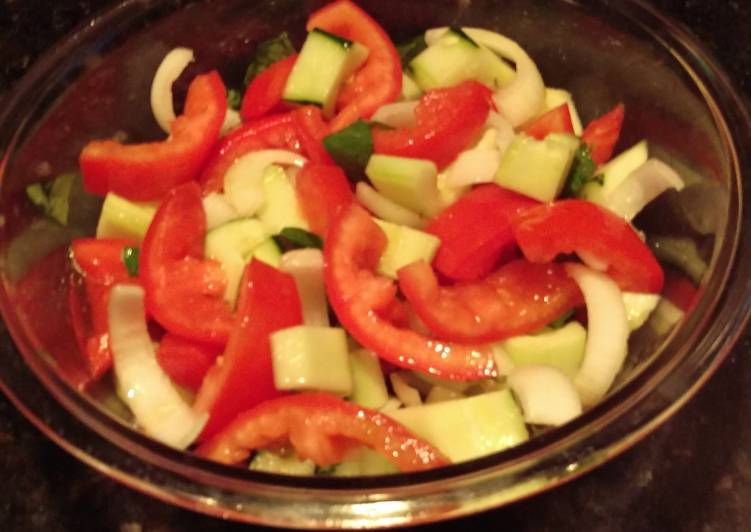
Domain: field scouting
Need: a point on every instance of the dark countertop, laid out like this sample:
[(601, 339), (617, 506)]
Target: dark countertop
[(692, 474)]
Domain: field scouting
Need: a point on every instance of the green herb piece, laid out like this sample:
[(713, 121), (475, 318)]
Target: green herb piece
[(53, 197), (561, 320), (130, 259), (582, 172), (296, 238), (351, 148), (410, 49), (234, 98), (268, 53)]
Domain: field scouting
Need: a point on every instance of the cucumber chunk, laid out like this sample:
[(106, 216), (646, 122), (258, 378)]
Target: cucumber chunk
[(404, 246), (368, 385), (121, 218), (638, 307), (311, 358), (615, 172), (231, 244), (537, 168), (410, 90), (324, 63), (409, 182), (280, 208), (364, 462), (467, 428), (288, 464)]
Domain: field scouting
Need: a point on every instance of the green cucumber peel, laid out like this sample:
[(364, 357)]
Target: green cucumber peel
[(296, 238), (410, 49)]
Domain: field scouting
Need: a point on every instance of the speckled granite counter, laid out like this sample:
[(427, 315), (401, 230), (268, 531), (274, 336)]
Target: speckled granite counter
[(692, 474)]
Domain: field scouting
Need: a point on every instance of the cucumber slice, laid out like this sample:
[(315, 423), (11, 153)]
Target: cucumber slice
[(410, 90), (280, 208), (615, 172), (454, 58), (404, 246), (368, 385), (268, 252), (537, 168), (409, 182), (121, 218), (467, 428), (324, 63), (311, 358), (364, 462), (282, 464), (231, 244)]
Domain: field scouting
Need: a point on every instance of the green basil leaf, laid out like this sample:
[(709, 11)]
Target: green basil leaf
[(582, 172), (296, 238), (268, 53), (130, 260), (234, 99), (351, 148)]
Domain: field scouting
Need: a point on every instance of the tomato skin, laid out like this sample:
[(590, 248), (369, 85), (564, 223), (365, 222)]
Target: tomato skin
[(379, 80), (596, 234), (185, 361), (243, 376), (100, 263), (264, 94), (557, 120), (322, 191), (446, 122), (518, 298), (183, 291), (601, 134), (475, 232), (322, 428), (360, 298), (298, 131), (148, 171)]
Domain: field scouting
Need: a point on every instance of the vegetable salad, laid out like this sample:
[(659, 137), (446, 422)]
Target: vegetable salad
[(371, 258)]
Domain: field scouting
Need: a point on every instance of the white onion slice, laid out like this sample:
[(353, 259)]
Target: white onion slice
[(408, 395), (396, 115), (504, 131), (472, 167), (546, 395), (306, 267), (161, 87), (607, 333), (141, 382), (385, 209), (218, 210), (642, 186), (242, 181)]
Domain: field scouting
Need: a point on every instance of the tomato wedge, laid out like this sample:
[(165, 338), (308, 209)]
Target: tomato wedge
[(264, 94), (183, 291), (601, 134), (185, 361), (557, 120), (518, 298), (299, 130), (322, 191), (379, 80), (359, 297), (148, 171), (600, 238), (446, 122), (475, 232), (322, 428), (100, 263), (243, 377)]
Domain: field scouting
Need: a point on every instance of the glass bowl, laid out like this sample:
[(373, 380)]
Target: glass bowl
[(95, 84)]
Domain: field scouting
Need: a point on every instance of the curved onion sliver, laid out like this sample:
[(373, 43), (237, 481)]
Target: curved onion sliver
[(472, 167), (607, 333), (385, 209), (141, 382), (161, 87), (396, 114), (642, 186), (546, 395)]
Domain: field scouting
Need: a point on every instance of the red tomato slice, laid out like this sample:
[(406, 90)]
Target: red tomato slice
[(475, 232), (601, 134), (264, 93), (359, 297), (243, 377), (379, 80), (148, 171), (322, 191), (185, 361), (183, 291), (599, 237), (557, 120), (446, 122), (518, 298), (296, 130), (100, 263), (322, 428)]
